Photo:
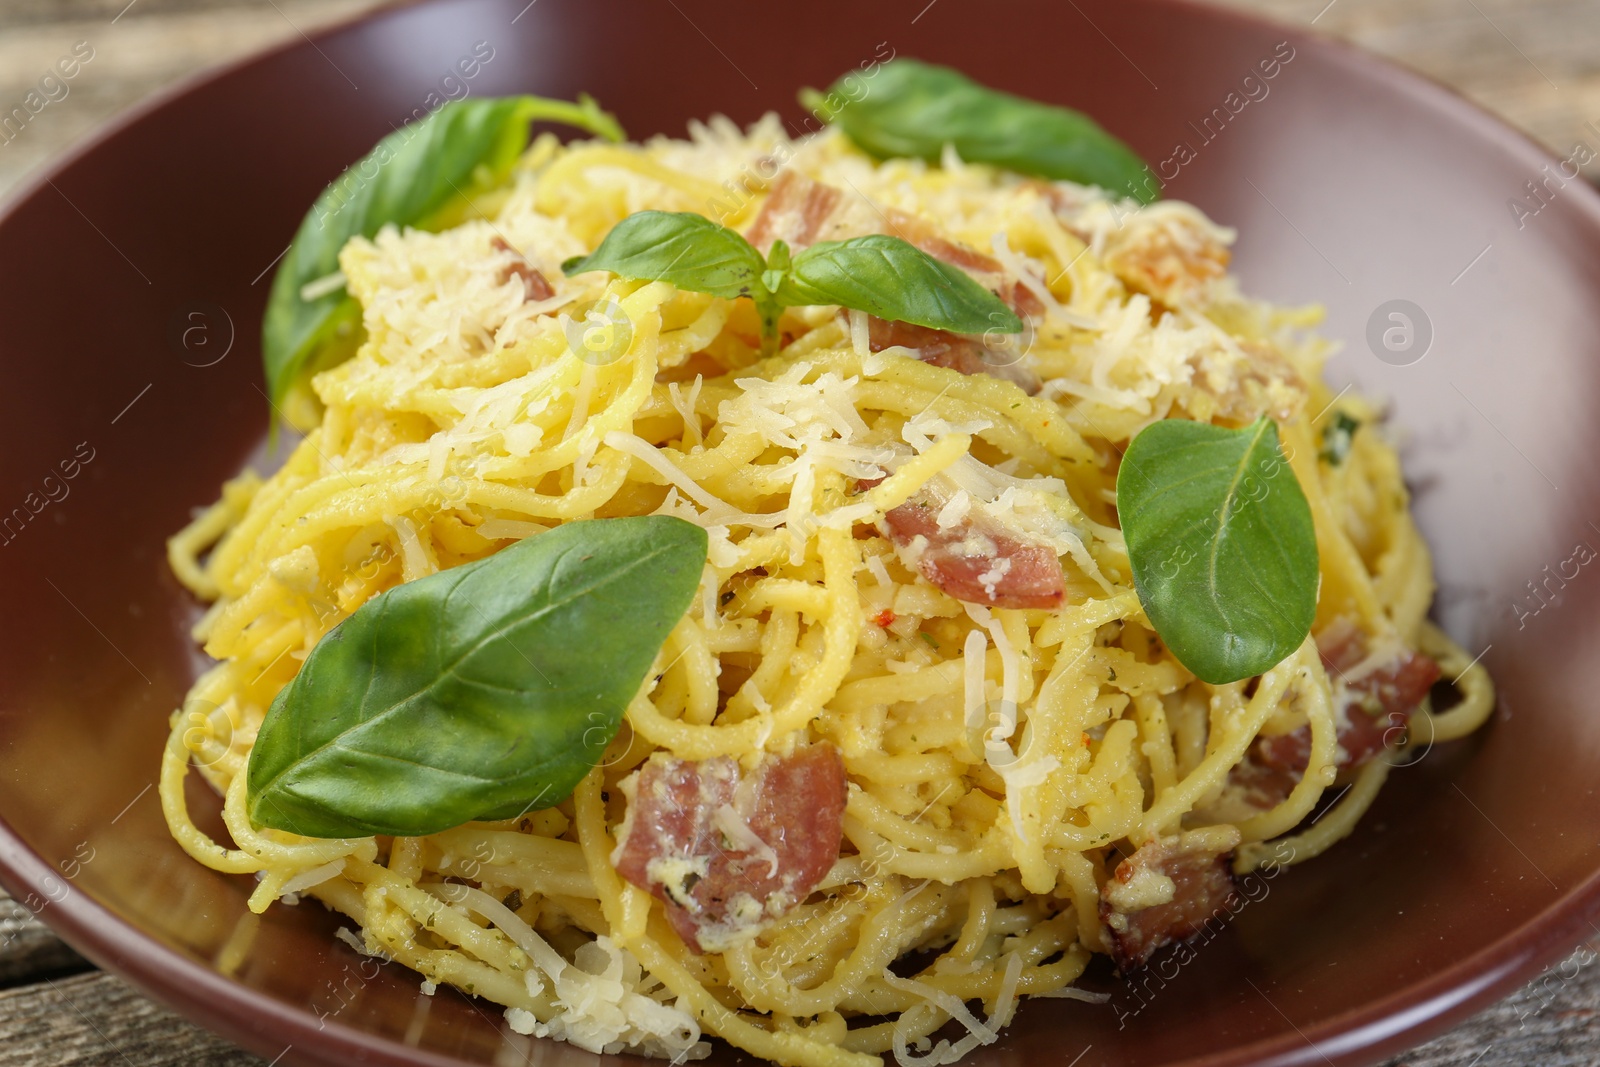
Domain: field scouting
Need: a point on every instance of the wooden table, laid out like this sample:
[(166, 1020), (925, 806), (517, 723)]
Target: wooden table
[(1536, 62)]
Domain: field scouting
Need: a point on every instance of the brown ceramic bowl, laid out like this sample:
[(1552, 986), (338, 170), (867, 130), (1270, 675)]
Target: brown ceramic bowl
[(128, 270)]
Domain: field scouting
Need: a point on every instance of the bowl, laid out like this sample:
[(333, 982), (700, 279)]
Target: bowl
[(1456, 259)]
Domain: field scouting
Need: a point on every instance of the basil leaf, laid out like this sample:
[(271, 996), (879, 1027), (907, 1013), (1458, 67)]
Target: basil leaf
[(892, 279), (913, 109), (404, 180), (1337, 437), (680, 248), (481, 691), (879, 274), (1222, 545)]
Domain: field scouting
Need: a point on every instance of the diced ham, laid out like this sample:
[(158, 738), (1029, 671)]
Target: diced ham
[(798, 211), (1261, 786), (1378, 704), (964, 355), (1173, 258), (1024, 302), (802, 212), (1165, 892), (976, 561), (724, 852), (535, 286)]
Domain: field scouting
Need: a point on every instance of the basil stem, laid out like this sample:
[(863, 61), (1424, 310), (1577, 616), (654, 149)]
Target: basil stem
[(482, 691), (879, 274), (1223, 548), (913, 109), (406, 180)]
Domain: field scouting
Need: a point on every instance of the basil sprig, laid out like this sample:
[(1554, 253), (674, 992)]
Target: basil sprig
[(1223, 548), (879, 274), (913, 109), (406, 179), (480, 692)]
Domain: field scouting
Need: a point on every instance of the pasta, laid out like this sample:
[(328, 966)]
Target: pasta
[(1024, 782)]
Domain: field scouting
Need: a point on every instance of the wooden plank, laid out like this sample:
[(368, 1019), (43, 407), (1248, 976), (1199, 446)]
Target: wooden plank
[(28, 949), (1549, 1023), (1535, 63), (133, 57), (95, 1020)]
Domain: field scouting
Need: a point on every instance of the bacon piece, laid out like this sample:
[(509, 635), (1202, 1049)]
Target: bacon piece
[(1202, 890), (964, 355), (1174, 260), (798, 211), (535, 287), (687, 839), (977, 562), (1378, 704), (1023, 301)]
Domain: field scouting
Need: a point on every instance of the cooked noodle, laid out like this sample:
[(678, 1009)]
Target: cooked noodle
[(466, 421)]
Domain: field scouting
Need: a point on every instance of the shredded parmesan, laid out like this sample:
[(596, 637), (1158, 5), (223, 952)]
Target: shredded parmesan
[(314, 877), (603, 992), (744, 839), (945, 1051)]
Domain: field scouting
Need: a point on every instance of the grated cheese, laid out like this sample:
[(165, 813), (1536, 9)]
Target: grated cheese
[(603, 993), (946, 1051), (416, 558), (741, 837), (314, 877)]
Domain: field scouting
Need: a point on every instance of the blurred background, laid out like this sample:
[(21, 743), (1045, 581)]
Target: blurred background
[(1535, 63)]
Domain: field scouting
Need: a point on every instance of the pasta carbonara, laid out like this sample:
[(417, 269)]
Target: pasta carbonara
[(916, 711)]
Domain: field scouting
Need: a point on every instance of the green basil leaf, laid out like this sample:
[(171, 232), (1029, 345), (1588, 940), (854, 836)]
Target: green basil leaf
[(1222, 544), (480, 691), (913, 109), (680, 248), (408, 177), (892, 279), (1337, 437), (879, 274)]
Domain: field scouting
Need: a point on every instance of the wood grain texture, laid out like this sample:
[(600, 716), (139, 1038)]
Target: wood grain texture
[(152, 45), (95, 1020), (1534, 62), (29, 950)]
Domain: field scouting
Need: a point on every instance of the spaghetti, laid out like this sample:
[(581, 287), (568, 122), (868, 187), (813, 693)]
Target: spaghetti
[(1027, 785)]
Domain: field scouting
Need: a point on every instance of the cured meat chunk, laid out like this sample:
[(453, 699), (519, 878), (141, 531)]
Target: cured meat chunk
[(1165, 892), (799, 212), (976, 561), (535, 286), (1379, 700), (725, 852), (964, 355)]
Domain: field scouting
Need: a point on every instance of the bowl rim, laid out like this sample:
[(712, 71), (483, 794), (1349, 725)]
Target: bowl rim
[(1394, 1022)]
